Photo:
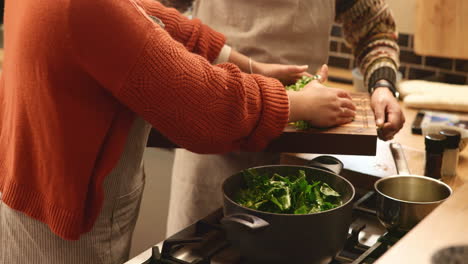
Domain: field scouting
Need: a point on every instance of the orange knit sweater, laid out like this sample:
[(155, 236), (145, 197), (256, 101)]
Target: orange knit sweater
[(77, 72)]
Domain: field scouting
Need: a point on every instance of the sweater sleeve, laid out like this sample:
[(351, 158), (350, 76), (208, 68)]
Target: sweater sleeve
[(204, 108), (194, 35), (369, 28), (181, 5)]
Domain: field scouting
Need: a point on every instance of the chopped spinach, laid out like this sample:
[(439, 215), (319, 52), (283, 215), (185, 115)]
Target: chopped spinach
[(299, 84), (286, 195), (301, 124)]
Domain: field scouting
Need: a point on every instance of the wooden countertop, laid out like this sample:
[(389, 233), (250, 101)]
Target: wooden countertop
[(447, 225)]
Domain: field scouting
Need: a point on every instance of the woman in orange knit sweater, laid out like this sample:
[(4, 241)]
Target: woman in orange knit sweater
[(83, 81)]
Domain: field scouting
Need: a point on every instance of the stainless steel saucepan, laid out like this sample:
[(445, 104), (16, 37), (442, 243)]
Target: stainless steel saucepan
[(403, 200)]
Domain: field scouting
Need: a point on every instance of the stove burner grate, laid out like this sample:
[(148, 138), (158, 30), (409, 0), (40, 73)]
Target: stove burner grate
[(205, 241)]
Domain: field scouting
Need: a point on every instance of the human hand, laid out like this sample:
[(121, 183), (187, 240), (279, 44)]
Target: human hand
[(287, 74), (388, 114), (321, 106)]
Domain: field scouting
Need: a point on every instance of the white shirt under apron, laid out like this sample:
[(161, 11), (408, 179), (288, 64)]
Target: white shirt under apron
[(272, 31)]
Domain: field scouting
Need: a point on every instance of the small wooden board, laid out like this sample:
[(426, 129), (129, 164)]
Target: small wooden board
[(356, 138)]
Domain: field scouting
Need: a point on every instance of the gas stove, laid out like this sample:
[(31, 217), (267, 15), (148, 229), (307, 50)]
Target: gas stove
[(204, 242)]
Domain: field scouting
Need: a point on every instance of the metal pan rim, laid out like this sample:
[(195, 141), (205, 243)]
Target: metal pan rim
[(376, 187)]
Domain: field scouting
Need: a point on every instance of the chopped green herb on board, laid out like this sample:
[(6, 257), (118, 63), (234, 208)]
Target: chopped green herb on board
[(301, 125)]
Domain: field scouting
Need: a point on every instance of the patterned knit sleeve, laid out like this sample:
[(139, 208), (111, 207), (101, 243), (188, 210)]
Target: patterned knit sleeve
[(201, 107), (369, 29), (194, 35)]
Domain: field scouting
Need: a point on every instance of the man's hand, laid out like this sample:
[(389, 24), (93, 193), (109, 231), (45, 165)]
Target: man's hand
[(388, 115), (321, 106)]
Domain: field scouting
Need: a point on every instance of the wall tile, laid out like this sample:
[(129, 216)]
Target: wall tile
[(415, 73), (336, 31), (453, 78), (403, 40), (461, 65), (412, 65), (333, 45), (410, 57), (339, 62), (437, 62)]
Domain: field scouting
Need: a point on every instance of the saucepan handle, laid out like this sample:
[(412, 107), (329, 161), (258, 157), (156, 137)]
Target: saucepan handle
[(327, 163), (399, 158), (251, 222)]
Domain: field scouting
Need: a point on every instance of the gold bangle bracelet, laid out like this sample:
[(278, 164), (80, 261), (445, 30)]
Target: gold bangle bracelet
[(250, 65)]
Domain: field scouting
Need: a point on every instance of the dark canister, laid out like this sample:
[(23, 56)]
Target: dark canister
[(451, 153), (435, 145)]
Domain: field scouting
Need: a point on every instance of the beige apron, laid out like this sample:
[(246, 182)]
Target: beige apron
[(26, 240), (275, 31)]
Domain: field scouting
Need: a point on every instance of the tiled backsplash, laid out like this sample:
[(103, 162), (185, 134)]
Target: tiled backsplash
[(412, 66)]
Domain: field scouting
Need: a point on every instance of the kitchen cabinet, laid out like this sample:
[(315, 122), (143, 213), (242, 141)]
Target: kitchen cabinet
[(441, 28)]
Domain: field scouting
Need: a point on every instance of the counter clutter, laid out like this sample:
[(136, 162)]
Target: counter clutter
[(446, 225)]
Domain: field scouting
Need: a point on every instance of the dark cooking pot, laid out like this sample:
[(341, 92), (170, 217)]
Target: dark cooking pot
[(263, 237)]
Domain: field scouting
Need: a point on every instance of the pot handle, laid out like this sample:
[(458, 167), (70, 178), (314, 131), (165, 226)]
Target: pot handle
[(327, 163), (252, 222), (399, 158)]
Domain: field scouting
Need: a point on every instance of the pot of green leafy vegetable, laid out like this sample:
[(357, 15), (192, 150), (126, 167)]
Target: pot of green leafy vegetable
[(288, 214)]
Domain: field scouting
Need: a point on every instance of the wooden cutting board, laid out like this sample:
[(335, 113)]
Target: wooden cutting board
[(441, 28), (356, 138)]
